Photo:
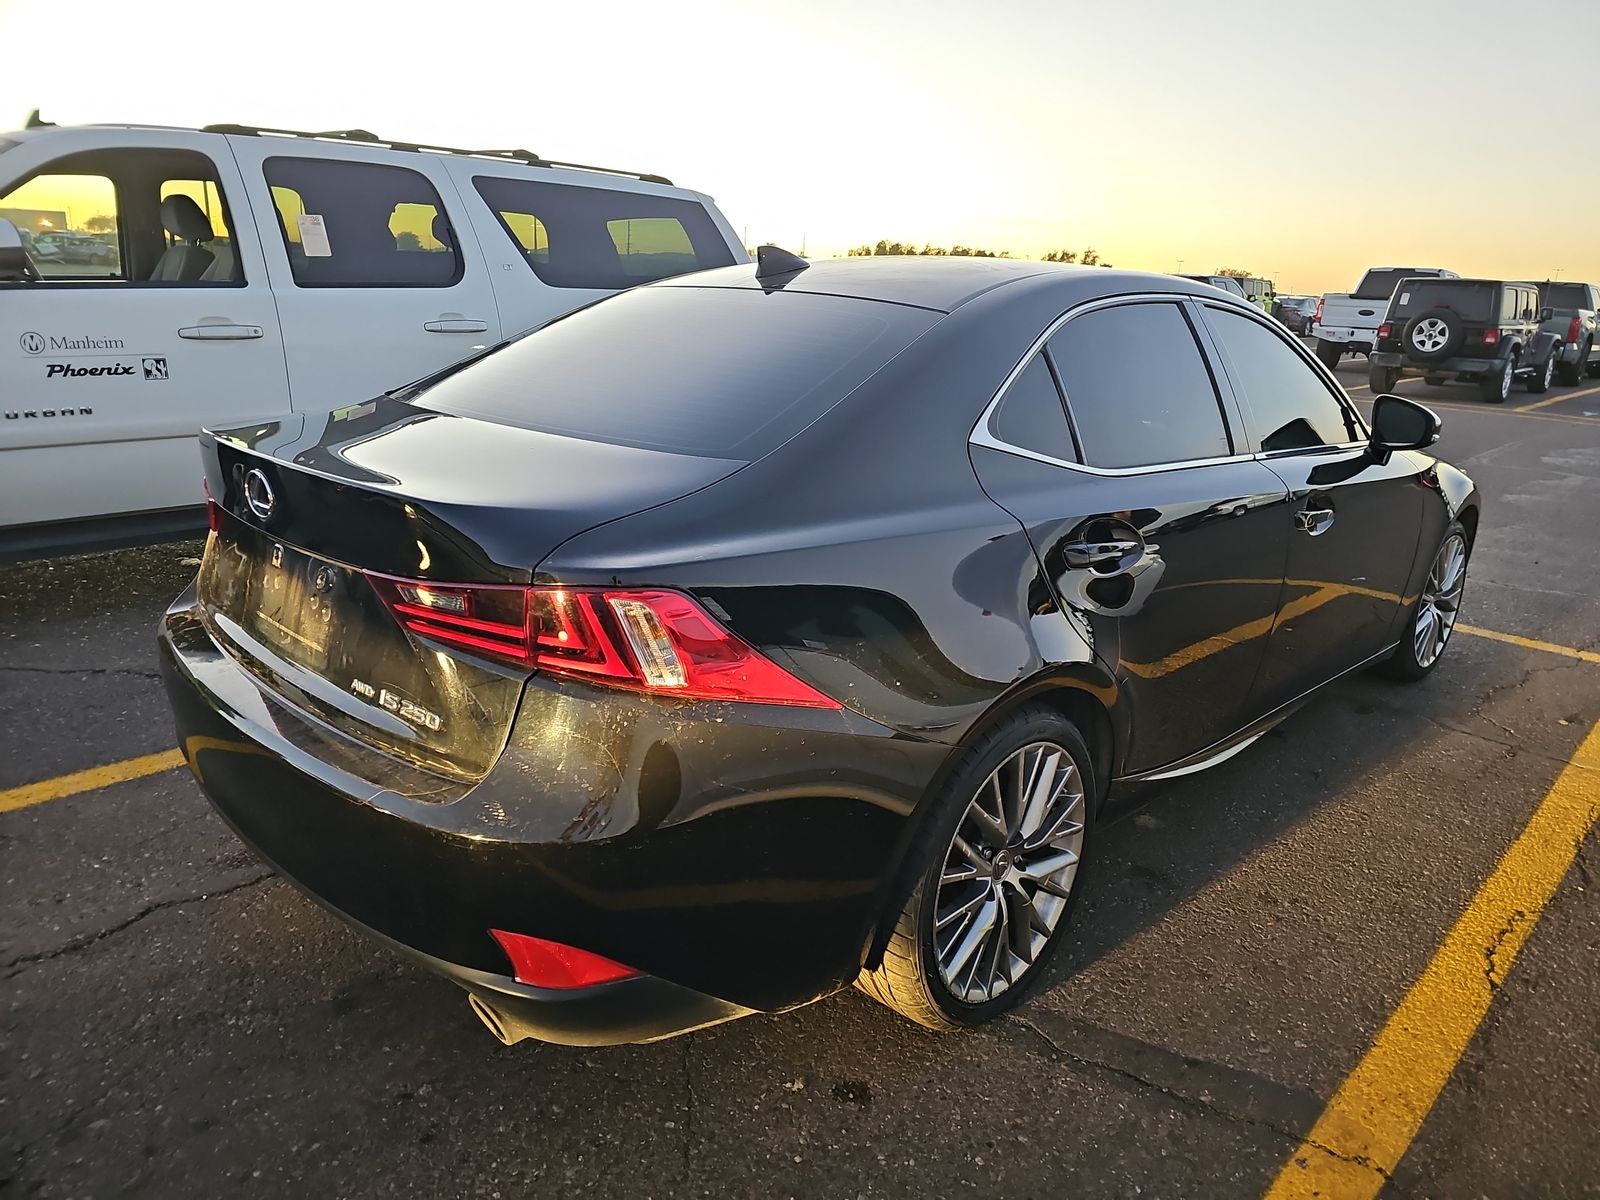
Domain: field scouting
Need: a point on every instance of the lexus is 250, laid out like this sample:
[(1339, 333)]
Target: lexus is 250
[(781, 627)]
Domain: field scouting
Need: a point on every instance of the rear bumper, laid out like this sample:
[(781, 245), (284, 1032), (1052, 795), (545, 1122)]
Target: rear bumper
[(742, 866), (1345, 334), (1454, 365)]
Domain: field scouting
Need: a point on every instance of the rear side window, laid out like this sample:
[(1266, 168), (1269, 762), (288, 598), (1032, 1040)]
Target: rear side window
[(602, 238), (1293, 409), (357, 224), (1137, 387), (1566, 295), (1475, 302), (1379, 285), (715, 372), (1030, 415)]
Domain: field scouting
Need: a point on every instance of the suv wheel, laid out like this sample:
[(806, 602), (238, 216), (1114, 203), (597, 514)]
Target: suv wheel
[(1572, 372), (1496, 385), (1539, 381), (1000, 863), (1382, 379), (1432, 335), (1330, 353), (1435, 380)]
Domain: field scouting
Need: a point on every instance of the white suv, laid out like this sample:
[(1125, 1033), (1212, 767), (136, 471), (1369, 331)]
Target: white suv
[(255, 274)]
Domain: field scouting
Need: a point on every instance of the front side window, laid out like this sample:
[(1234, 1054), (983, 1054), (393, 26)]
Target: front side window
[(68, 222), (582, 237), (1138, 388), (1292, 407), (1030, 415), (358, 224)]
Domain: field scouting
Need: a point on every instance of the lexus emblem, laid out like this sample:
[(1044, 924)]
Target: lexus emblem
[(31, 342), (258, 493)]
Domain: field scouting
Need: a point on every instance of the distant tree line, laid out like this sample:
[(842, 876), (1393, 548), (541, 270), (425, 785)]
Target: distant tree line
[(1089, 257)]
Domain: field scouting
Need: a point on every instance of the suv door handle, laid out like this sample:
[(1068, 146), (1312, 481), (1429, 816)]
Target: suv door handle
[(1314, 521), (455, 323), (1099, 554), (220, 333)]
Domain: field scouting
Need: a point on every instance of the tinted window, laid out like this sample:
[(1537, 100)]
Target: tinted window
[(1030, 414), (1138, 388), (356, 224), (725, 373), (1380, 285), (1292, 407), (583, 237), (1474, 301)]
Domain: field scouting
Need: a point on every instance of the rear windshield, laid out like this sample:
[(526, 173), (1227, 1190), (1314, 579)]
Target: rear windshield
[(1474, 301), (1380, 285), (716, 372), (1563, 295)]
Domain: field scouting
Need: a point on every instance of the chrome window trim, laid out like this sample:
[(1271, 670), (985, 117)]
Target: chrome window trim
[(983, 434)]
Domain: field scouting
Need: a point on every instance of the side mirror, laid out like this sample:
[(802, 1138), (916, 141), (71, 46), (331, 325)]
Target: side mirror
[(1545, 314), (1401, 424), (15, 265)]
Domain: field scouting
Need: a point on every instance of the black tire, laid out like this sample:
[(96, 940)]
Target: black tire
[(1539, 381), (1406, 663), (909, 979), (1435, 380), (1382, 379), (1495, 386), (1330, 353), (1572, 372), (1594, 369), (1432, 335)]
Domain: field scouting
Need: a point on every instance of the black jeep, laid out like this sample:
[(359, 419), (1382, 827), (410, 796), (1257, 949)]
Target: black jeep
[(1483, 331)]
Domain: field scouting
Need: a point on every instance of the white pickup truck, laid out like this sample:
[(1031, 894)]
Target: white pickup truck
[(1347, 322), (155, 281)]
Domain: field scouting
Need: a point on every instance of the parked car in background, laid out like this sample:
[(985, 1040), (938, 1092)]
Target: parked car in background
[(1569, 312), (1483, 331), (1347, 323), (1296, 312), (1228, 283), (1254, 291), (791, 627), (277, 273)]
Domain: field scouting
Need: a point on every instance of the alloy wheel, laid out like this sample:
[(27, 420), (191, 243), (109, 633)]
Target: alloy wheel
[(1430, 335), (1440, 601), (1006, 878)]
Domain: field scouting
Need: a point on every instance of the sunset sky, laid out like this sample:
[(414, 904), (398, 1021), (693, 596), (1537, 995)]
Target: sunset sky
[(1257, 135)]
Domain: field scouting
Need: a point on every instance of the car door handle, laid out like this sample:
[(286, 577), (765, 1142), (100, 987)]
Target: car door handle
[(1099, 554), (221, 333), (1314, 521), (455, 323)]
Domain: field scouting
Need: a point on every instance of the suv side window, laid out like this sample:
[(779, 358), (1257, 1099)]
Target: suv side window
[(1508, 305), (582, 237), (95, 217), (1030, 415), (1138, 389), (360, 224), (1293, 409)]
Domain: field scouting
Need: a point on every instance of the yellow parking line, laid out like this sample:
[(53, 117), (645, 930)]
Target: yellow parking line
[(87, 781), (1373, 1117), (1495, 635), (1548, 401)]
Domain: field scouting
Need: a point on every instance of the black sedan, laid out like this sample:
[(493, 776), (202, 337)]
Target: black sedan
[(755, 633)]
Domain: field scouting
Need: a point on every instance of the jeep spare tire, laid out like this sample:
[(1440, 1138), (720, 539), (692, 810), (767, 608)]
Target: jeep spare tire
[(1433, 334)]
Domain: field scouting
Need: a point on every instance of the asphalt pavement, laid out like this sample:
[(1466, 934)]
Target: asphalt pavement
[(179, 1022)]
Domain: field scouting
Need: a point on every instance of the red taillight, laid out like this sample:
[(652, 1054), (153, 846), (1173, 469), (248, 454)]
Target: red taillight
[(1575, 330), (1317, 318), (540, 963), (213, 509), (1491, 337), (1385, 330), (654, 641)]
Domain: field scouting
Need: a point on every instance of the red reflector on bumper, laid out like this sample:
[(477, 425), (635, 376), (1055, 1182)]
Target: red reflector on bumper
[(540, 963)]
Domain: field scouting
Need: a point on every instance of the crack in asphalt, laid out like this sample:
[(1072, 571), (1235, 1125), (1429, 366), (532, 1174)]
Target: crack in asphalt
[(1491, 970), (139, 672), (1519, 747), (688, 1111), (15, 966), (1201, 1104)]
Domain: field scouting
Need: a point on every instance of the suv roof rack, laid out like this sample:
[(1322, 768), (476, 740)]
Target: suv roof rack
[(527, 157)]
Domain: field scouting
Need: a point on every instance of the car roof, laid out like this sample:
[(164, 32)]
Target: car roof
[(938, 282)]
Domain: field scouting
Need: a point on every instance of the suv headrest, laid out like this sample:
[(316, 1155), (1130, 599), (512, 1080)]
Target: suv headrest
[(442, 233), (183, 219)]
